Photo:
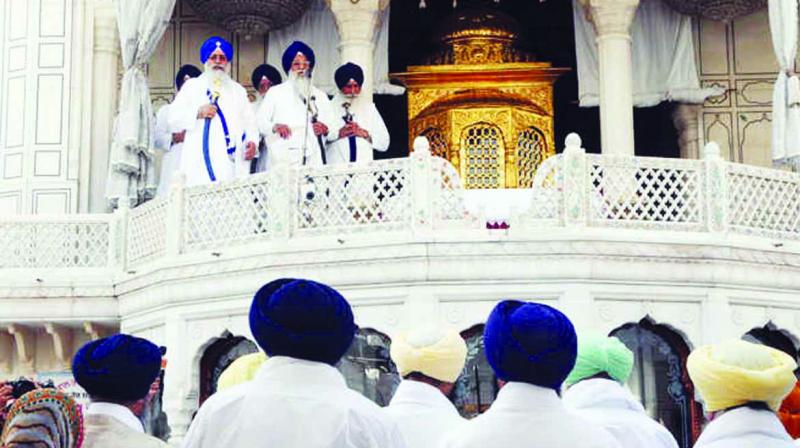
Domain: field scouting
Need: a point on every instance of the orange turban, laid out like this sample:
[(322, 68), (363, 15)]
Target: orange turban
[(789, 412)]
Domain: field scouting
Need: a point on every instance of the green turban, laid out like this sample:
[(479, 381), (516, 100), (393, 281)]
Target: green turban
[(601, 355)]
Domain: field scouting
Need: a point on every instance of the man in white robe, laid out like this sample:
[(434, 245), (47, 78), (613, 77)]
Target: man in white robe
[(597, 392), (531, 347), (742, 386), (297, 398), (359, 128), (294, 117), (171, 142), (214, 110), (264, 77), (429, 360)]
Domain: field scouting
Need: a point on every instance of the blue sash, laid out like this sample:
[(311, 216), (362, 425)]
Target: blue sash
[(206, 150), (352, 141)]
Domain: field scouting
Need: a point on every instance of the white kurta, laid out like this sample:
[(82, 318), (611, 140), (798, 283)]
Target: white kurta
[(284, 105), (745, 428), (423, 414), (171, 160), (367, 116), (528, 416), (235, 105), (292, 403), (612, 406), (261, 156)]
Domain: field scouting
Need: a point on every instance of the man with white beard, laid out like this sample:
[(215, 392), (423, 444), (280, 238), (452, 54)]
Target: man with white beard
[(214, 110), (359, 128), (264, 77), (295, 116), (171, 142)]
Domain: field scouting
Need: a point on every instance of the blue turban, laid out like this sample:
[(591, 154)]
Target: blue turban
[(211, 44), (531, 343), (186, 70), (302, 319), (268, 71), (291, 53), (347, 72), (120, 367)]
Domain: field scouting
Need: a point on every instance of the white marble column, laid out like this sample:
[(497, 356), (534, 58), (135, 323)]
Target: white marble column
[(686, 118), (358, 23), (105, 71), (612, 21)]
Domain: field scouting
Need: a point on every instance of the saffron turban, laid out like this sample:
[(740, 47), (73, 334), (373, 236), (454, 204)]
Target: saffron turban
[(438, 354), (186, 70), (302, 319), (601, 355), (530, 343), (44, 417), (265, 71), (119, 367), (242, 370), (212, 44), (348, 71), (736, 372), (293, 50)]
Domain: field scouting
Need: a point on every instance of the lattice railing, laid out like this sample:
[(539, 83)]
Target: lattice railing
[(547, 185), (147, 231), (646, 192), (763, 201), (81, 241), (351, 198), (229, 213), (448, 201)]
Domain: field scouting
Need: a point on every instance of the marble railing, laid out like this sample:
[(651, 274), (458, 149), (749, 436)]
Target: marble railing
[(420, 196)]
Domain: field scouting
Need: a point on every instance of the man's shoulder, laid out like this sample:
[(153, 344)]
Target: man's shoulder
[(105, 432), (223, 401)]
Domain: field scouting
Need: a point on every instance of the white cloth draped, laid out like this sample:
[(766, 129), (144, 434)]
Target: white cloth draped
[(367, 116), (662, 55), (425, 416), (292, 403), (613, 407), (131, 173), (745, 428), (317, 28), (786, 96)]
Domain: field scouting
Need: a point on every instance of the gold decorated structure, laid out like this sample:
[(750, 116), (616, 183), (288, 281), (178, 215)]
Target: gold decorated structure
[(482, 103)]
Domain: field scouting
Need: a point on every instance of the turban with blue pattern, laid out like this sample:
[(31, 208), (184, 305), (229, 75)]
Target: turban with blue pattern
[(530, 343), (347, 72), (186, 70), (120, 367), (265, 71), (211, 45), (302, 319), (291, 53)]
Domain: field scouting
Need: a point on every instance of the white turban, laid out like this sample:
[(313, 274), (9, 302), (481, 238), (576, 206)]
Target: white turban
[(736, 372), (431, 351)]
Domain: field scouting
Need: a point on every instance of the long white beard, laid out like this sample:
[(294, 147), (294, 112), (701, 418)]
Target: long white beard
[(301, 84), (218, 76)]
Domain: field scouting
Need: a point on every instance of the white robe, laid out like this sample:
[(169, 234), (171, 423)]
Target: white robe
[(284, 105), (292, 403), (612, 406), (423, 414), (235, 105), (261, 155), (367, 116), (171, 160), (528, 416), (745, 428)]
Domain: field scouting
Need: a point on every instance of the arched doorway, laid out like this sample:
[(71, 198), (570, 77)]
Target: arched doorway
[(368, 368), (771, 336), (217, 357), (660, 379), (476, 387)]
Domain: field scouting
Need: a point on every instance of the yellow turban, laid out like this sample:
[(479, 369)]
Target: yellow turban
[(430, 351), (241, 371), (736, 372)]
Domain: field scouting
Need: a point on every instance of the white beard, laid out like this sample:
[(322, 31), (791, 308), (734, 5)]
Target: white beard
[(222, 77), (301, 85)]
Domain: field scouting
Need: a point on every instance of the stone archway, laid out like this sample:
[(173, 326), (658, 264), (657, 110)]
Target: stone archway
[(217, 357), (660, 379), (476, 387)]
